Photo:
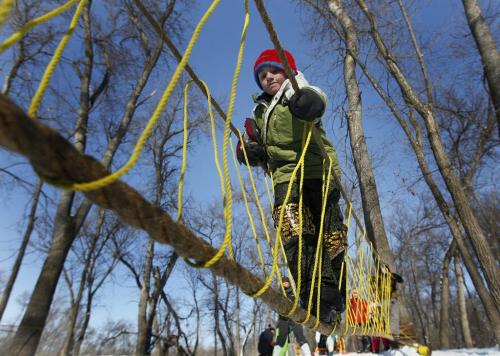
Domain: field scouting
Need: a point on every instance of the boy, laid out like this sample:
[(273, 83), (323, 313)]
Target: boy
[(274, 139)]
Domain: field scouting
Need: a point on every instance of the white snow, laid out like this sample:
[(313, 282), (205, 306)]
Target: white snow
[(410, 351)]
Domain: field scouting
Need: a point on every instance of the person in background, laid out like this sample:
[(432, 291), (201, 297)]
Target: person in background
[(285, 326), (274, 138), (358, 309), (377, 342), (266, 342)]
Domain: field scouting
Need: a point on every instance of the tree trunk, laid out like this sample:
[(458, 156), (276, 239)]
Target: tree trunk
[(255, 338), (86, 271), (30, 329), (22, 249), (65, 228), (419, 307), (469, 221), (453, 184), (64, 236), (444, 315), (238, 326), (455, 228), (158, 345), (374, 223), (143, 332), (217, 326), (73, 316), (464, 320), (490, 57), (81, 334)]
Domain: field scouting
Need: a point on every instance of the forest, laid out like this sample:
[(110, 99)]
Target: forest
[(122, 269)]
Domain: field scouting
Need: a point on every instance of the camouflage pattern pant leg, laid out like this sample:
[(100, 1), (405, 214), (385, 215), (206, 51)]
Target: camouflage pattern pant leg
[(333, 238)]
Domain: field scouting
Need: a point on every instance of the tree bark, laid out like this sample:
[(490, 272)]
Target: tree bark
[(237, 341), (462, 306), (65, 227), (25, 341), (444, 315), (22, 249), (453, 184), (421, 315), (86, 319), (76, 303), (143, 332), (374, 223), (417, 145), (65, 236), (490, 56)]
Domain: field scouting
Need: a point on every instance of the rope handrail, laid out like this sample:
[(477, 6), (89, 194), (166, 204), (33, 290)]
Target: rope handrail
[(53, 156)]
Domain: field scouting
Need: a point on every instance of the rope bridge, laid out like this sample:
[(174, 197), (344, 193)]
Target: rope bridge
[(59, 163)]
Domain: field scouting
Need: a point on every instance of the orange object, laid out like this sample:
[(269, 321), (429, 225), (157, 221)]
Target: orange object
[(358, 309)]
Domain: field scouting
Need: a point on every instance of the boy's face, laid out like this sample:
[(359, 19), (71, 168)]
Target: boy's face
[(271, 78)]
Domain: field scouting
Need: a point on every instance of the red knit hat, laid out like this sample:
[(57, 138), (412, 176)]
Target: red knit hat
[(270, 57)]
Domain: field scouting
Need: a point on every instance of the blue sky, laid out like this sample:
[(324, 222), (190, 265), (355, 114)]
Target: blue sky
[(214, 60)]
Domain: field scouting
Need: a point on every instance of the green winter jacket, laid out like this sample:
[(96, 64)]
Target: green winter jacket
[(282, 135)]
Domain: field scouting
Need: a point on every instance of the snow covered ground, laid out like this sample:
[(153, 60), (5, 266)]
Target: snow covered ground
[(410, 351)]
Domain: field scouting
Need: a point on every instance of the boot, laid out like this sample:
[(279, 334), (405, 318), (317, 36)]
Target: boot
[(332, 304)]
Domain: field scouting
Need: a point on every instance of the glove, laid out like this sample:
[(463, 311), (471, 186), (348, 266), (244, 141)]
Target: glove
[(306, 105), (256, 153)]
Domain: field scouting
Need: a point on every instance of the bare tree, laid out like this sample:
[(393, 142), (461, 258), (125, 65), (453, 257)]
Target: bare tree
[(375, 229), (444, 316), (22, 249), (490, 57), (92, 260), (67, 225), (453, 183), (464, 319), (393, 67), (419, 241), (29, 50)]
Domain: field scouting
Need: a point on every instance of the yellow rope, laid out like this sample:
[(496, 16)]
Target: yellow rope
[(5, 8), (229, 202), (185, 140), (256, 195), (325, 187), (268, 190), (247, 209), (37, 98), (300, 237), (184, 154), (215, 147), (102, 182), (317, 253), (280, 223), (29, 25)]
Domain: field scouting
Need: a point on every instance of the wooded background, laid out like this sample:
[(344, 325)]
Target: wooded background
[(438, 93)]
